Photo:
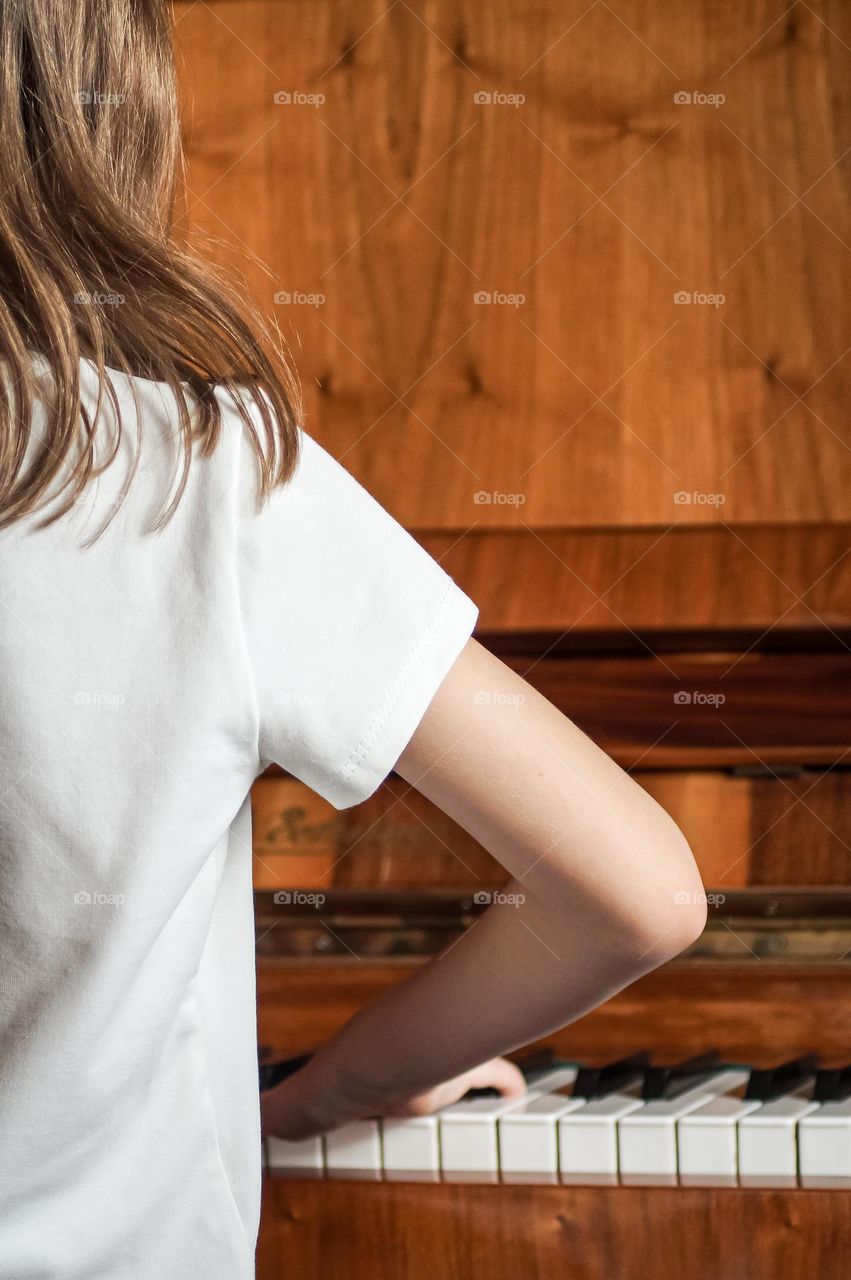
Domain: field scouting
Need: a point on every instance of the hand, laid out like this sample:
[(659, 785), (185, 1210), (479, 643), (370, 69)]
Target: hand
[(300, 1107), (499, 1074)]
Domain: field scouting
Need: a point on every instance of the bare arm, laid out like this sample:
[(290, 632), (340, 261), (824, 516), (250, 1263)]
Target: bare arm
[(603, 889)]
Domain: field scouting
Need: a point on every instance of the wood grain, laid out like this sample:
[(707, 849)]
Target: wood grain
[(598, 199), (632, 580), (788, 830), (759, 1013), (355, 1231)]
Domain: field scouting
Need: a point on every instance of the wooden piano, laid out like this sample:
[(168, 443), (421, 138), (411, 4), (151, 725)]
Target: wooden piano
[(640, 472), (740, 725)]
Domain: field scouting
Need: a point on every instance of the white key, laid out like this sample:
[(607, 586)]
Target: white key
[(354, 1151), (296, 1159), (768, 1141), (824, 1145), (707, 1140), (647, 1138), (588, 1138), (412, 1149), (469, 1135), (528, 1137)]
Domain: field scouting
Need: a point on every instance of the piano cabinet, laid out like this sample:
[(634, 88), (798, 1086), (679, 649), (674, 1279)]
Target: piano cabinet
[(760, 783), (395, 1231)]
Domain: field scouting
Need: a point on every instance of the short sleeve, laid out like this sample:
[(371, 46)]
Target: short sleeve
[(350, 626)]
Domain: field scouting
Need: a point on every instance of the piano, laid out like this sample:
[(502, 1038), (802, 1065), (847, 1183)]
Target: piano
[(631, 1122), (699, 1123)]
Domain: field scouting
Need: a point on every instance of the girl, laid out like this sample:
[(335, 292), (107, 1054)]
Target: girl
[(190, 590)]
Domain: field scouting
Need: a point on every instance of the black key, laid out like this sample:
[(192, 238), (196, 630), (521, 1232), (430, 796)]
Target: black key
[(832, 1085), (768, 1083), (272, 1073), (671, 1081), (596, 1082)]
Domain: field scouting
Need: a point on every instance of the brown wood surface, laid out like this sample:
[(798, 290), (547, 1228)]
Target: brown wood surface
[(632, 580), (792, 830), (758, 1013), (357, 1231), (399, 197), (687, 710)]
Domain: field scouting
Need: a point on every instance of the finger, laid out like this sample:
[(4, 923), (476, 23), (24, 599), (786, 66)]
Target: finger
[(499, 1074)]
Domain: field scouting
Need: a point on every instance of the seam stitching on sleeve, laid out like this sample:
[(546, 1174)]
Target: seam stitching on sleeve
[(397, 688), (240, 618)]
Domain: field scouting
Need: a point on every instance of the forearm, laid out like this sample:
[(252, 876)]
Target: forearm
[(608, 886), (518, 974)]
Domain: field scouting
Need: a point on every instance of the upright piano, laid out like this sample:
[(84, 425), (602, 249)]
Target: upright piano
[(698, 1123)]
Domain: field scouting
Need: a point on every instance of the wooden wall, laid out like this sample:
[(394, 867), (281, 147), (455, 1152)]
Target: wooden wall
[(386, 195)]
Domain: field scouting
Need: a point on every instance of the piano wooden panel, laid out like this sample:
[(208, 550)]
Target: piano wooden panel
[(394, 201), (743, 831), (618, 580), (755, 1012), (356, 1231)]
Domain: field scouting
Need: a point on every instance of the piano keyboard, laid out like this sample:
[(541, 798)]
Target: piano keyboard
[(697, 1124)]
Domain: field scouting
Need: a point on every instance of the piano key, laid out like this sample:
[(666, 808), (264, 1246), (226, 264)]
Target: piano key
[(527, 1135), (588, 1138), (769, 1083), (707, 1140), (354, 1151), (647, 1137), (411, 1149), (304, 1159), (469, 1138), (768, 1141), (670, 1081), (824, 1145)]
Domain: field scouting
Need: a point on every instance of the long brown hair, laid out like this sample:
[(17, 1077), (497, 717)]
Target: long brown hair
[(90, 162)]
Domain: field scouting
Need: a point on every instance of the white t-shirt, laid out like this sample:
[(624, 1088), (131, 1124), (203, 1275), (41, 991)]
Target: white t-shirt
[(146, 681)]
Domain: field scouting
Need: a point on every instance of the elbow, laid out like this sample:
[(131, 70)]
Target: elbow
[(670, 910)]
